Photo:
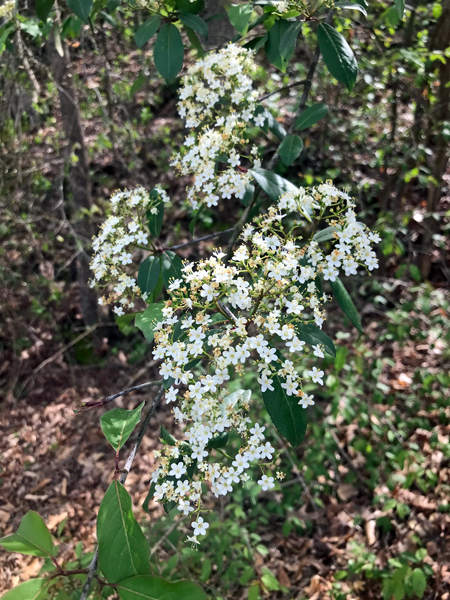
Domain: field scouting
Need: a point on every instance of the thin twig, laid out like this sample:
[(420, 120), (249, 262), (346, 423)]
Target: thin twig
[(94, 562), (349, 462), (55, 356), (103, 401), (296, 472), (151, 411), (286, 87), (198, 240)]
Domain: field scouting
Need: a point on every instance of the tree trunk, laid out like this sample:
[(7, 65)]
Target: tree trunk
[(220, 29), (438, 116), (79, 178)]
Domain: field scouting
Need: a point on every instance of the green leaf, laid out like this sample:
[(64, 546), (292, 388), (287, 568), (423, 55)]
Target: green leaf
[(287, 43), (147, 320), (346, 303), (171, 266), (168, 52), (419, 582), (274, 185), (82, 8), (194, 22), (147, 30), (138, 83), (155, 221), (118, 424), (43, 7), (125, 320), (274, 37), (312, 335), (32, 537), (249, 191), (149, 587), (148, 274), (290, 149), (239, 15), (286, 413), (324, 235), (337, 55), (218, 441), (167, 437), (33, 589), (415, 272), (195, 42), (274, 127), (311, 115), (400, 6), (123, 548), (351, 6)]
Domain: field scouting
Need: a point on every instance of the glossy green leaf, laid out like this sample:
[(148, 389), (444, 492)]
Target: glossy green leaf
[(290, 149), (286, 413), (337, 55), (419, 582), (33, 589), (400, 6), (194, 22), (82, 8), (311, 115), (287, 43), (155, 221), (324, 235), (249, 191), (43, 7), (148, 274), (351, 6), (218, 441), (239, 15), (312, 335), (274, 37), (195, 42), (149, 587), (167, 437), (118, 424), (346, 303), (147, 320), (123, 548), (32, 537), (274, 127), (274, 185), (171, 266), (147, 30), (168, 52)]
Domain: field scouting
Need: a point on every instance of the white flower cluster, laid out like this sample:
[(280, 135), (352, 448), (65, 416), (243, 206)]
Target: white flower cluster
[(218, 104), (249, 312), (7, 9), (122, 232)]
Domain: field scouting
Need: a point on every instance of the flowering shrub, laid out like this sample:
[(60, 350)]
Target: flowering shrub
[(265, 304), (263, 309), (258, 308)]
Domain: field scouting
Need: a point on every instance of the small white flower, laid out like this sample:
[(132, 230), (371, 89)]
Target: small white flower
[(200, 526), (266, 482), (316, 375), (177, 470)]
